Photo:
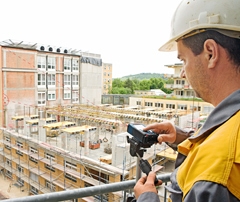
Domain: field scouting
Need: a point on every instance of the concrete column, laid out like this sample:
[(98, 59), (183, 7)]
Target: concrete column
[(64, 140), (86, 144), (26, 130), (42, 131)]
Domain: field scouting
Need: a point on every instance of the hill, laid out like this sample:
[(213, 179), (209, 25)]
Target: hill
[(142, 76)]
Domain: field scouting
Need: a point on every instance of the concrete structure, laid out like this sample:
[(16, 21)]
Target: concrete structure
[(36, 76), (107, 78), (181, 88)]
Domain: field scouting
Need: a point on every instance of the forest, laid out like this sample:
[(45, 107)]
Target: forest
[(128, 85)]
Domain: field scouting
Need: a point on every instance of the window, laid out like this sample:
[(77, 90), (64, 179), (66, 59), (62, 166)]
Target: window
[(50, 157), (75, 80), (179, 92), (67, 95), (41, 62), (20, 182), (71, 166), (51, 95), (50, 186), (33, 190), (20, 146), (8, 147), (180, 82), (8, 174), (170, 106), (75, 65), (195, 108), (182, 107), (138, 103), (158, 104), (33, 159), (67, 80), (75, 96), (51, 63), (8, 143), (41, 98), (190, 94), (51, 80), (7, 139), (148, 104), (49, 167), (20, 169), (42, 79), (67, 64), (9, 162), (33, 151), (70, 177)]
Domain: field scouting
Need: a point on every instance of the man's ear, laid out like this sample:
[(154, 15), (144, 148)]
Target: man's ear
[(211, 51)]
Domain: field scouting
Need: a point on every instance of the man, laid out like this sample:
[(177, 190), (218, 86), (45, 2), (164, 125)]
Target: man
[(206, 35)]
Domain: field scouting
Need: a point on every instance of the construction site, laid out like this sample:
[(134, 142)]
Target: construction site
[(55, 133), (76, 146)]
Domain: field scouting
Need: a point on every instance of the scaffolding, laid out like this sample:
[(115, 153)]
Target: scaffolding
[(62, 152)]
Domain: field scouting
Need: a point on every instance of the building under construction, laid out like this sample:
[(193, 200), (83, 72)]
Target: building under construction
[(73, 146)]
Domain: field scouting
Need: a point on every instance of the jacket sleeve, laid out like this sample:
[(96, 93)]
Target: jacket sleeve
[(148, 196), (181, 136), (204, 191)]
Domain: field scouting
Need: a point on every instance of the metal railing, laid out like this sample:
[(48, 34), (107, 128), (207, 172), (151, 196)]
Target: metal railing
[(84, 192)]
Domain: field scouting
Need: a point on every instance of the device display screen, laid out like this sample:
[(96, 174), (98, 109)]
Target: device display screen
[(139, 127)]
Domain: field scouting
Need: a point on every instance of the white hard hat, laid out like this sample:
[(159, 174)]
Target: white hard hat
[(191, 15)]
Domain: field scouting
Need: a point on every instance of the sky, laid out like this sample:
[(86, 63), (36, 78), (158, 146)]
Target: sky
[(126, 33)]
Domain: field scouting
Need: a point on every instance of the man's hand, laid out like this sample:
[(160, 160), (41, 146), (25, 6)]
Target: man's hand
[(166, 131), (146, 184)]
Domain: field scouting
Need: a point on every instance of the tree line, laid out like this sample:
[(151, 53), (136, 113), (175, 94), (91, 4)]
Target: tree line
[(128, 86)]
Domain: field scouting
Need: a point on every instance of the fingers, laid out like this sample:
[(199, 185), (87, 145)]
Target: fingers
[(166, 131), (151, 177), (142, 180), (171, 137)]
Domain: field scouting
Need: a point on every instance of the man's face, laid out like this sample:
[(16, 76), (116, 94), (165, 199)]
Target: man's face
[(194, 70)]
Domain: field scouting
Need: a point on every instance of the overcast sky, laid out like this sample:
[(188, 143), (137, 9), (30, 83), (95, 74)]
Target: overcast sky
[(126, 33)]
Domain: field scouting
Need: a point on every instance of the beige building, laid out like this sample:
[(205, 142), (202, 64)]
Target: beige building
[(180, 87), (107, 78), (173, 105)]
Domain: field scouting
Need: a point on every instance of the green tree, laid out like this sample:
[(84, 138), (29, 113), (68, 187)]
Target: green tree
[(117, 83), (129, 84), (145, 84)]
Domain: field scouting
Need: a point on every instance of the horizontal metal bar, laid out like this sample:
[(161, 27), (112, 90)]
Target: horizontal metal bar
[(83, 192)]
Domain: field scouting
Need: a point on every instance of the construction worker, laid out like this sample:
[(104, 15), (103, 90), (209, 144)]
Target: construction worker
[(206, 35)]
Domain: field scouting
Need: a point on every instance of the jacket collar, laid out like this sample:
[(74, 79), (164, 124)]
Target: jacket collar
[(224, 111)]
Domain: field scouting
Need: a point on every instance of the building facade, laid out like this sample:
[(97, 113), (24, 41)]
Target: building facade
[(181, 88), (36, 76), (107, 78)]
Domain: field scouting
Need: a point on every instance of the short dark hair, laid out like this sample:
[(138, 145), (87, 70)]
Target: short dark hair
[(232, 45)]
